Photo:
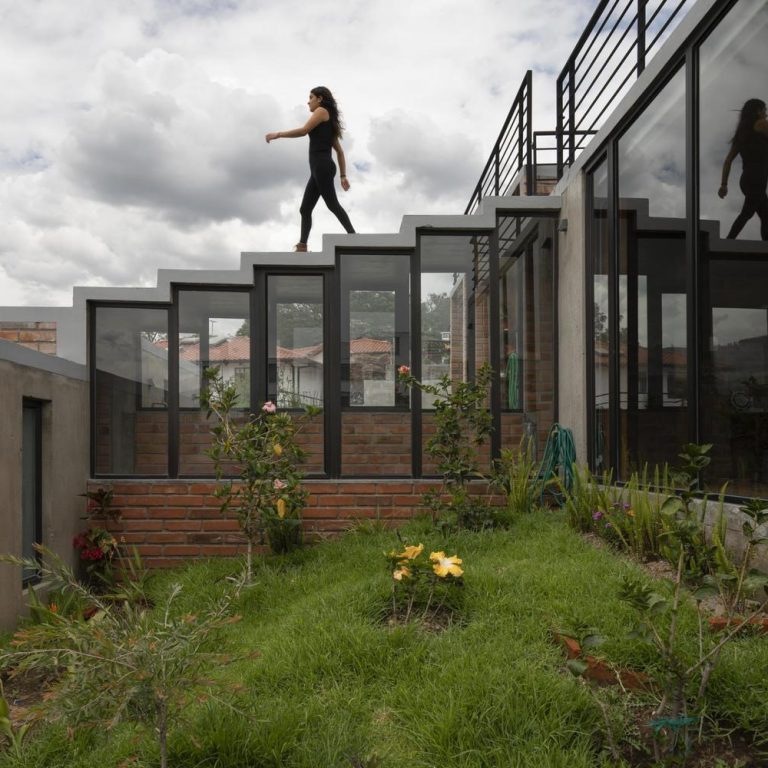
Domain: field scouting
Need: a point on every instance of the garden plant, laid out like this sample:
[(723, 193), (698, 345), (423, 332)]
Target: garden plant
[(462, 424), (121, 663), (262, 451), (422, 586)]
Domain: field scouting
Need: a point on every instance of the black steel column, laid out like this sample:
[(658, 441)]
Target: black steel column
[(416, 463), (259, 350), (614, 361), (692, 236), (494, 339), (640, 36), (332, 371), (173, 384)]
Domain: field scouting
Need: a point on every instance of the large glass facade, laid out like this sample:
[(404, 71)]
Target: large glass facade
[(375, 340), (733, 263), (130, 376), (692, 233), (214, 331), (652, 344)]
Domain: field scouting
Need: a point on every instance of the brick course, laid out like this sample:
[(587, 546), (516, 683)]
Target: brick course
[(34, 335), (171, 521)]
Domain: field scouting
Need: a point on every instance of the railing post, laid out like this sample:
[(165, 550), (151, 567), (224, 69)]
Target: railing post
[(520, 137), (641, 35), (496, 172), (529, 176), (559, 128), (571, 111)]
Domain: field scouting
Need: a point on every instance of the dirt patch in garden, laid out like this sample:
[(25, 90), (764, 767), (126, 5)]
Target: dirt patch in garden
[(23, 693), (435, 620)]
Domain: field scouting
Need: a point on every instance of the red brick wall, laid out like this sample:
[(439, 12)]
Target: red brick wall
[(376, 443), (33, 335), (195, 439), (429, 465), (170, 521)]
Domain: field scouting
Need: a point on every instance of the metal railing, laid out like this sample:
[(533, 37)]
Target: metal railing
[(613, 50), (611, 53), (511, 153)]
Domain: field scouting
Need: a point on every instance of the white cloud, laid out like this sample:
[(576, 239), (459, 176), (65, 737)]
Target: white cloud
[(131, 134)]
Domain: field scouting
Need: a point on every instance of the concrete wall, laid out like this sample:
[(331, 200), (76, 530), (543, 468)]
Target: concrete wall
[(63, 388), (572, 339)]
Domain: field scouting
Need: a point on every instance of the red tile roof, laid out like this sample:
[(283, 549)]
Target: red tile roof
[(239, 348)]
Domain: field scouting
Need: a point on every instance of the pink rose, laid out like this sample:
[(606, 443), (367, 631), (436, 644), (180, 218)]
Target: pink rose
[(269, 407), (279, 485), (404, 370)]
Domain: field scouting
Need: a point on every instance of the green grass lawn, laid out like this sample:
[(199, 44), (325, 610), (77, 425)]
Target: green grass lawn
[(335, 686)]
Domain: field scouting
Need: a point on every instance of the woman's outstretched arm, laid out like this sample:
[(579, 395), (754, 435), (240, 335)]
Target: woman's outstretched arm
[(729, 158), (342, 164), (320, 115)]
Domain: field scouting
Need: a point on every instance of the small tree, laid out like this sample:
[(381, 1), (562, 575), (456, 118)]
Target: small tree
[(262, 450), (123, 663), (462, 425)]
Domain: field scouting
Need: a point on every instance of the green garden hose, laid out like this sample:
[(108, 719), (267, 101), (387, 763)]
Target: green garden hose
[(558, 461)]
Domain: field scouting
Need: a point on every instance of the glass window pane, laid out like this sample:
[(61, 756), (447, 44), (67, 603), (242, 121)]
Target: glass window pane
[(295, 348), (214, 330), (526, 273), (131, 383), (455, 319), (295, 322), (734, 251), (733, 63), (652, 284), (375, 342)]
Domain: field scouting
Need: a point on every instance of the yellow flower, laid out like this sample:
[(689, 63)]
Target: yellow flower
[(278, 449), (281, 508), (410, 553), (631, 512), (401, 573), (445, 566)]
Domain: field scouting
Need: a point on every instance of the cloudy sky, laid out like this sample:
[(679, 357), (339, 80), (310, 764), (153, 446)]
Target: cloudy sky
[(132, 132)]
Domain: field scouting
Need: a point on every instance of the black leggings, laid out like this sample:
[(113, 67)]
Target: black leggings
[(322, 170), (755, 202)]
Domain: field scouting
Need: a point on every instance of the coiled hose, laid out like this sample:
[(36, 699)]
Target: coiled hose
[(557, 463)]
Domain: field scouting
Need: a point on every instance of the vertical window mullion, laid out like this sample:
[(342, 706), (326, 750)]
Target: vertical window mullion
[(173, 385), (692, 241), (614, 362)]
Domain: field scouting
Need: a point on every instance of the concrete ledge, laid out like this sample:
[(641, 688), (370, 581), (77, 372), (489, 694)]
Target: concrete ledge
[(15, 353)]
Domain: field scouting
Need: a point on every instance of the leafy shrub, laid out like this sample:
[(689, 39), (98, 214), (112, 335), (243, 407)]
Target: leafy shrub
[(262, 449)]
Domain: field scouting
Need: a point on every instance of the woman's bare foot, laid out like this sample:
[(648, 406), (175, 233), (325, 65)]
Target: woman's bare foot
[(300, 248)]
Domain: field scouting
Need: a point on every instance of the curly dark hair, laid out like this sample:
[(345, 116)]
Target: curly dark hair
[(747, 118), (327, 101)]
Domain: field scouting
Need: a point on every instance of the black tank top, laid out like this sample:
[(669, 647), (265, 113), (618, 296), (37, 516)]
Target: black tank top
[(321, 138), (754, 156)]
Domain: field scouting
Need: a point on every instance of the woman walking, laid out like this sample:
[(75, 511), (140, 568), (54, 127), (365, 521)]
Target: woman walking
[(325, 129), (751, 142)]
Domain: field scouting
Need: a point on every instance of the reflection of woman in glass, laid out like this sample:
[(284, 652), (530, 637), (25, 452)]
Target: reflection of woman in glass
[(751, 142), (324, 128)]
